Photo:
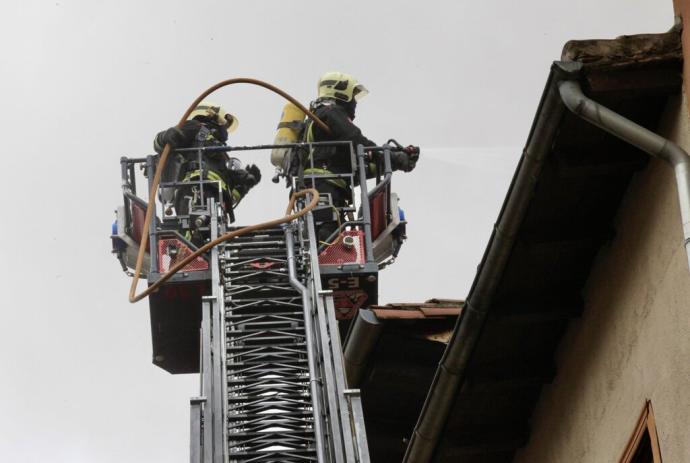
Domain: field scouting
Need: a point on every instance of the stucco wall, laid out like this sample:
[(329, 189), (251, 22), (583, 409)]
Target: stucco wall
[(633, 339)]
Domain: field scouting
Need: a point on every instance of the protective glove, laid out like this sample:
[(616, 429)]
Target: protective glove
[(177, 137), (254, 175), (174, 136)]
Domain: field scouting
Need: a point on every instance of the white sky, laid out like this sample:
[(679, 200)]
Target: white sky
[(85, 82)]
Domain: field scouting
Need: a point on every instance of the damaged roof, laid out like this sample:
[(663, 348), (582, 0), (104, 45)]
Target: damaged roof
[(433, 308), (562, 203), (557, 215), (391, 353)]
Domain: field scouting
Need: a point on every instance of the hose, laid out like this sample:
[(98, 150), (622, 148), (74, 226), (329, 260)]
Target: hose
[(133, 297), (228, 236)]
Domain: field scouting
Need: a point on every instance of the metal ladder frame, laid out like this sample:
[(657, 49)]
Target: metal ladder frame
[(338, 417)]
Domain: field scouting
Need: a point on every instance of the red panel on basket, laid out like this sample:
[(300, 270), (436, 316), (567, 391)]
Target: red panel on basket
[(377, 207), (338, 254), (165, 261), (138, 219)]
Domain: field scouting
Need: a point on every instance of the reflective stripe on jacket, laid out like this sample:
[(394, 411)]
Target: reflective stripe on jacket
[(339, 182), (214, 176)]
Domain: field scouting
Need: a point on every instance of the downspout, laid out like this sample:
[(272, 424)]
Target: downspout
[(453, 364), (636, 135), (360, 342)]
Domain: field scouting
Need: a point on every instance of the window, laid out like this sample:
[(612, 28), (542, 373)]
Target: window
[(643, 446)]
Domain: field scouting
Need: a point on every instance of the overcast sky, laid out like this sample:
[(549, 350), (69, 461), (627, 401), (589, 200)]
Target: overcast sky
[(85, 82)]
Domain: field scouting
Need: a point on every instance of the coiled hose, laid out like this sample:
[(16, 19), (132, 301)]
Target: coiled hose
[(133, 297)]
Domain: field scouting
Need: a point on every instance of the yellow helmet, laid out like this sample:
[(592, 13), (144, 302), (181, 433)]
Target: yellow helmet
[(216, 113), (341, 86)]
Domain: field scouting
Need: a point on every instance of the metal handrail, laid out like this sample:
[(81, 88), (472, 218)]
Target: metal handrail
[(357, 176)]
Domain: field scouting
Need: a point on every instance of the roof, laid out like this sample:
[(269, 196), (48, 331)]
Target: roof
[(557, 215), (569, 216), (433, 308), (399, 356)]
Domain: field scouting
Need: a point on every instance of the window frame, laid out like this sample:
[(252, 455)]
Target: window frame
[(646, 423)]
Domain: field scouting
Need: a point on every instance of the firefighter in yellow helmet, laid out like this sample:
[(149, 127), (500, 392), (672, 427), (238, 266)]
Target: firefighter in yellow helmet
[(208, 125), (338, 95)]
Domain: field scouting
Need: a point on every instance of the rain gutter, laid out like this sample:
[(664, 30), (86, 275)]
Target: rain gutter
[(562, 90), (456, 357)]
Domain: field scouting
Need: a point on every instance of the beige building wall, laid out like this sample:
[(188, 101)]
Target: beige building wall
[(682, 9), (632, 342)]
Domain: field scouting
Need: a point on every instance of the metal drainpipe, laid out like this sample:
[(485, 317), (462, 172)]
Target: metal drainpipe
[(636, 135), (360, 341)]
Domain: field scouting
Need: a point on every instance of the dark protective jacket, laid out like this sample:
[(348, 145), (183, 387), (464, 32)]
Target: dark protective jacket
[(181, 167), (336, 117)]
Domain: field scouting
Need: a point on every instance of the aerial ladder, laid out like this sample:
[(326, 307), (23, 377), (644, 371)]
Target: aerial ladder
[(260, 317)]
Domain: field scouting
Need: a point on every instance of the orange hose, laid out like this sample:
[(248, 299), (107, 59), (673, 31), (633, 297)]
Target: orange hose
[(133, 297), (233, 234)]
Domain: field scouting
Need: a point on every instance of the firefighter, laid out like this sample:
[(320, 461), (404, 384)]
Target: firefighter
[(338, 94), (207, 125)]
